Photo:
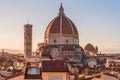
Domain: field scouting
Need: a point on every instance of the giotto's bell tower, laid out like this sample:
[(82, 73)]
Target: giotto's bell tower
[(27, 40)]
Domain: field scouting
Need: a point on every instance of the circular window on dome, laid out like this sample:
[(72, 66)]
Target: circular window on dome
[(67, 41)]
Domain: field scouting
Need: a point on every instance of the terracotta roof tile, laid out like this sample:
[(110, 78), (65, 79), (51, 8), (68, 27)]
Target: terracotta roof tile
[(68, 26), (54, 66)]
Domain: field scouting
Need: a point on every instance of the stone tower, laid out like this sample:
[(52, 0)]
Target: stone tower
[(27, 40)]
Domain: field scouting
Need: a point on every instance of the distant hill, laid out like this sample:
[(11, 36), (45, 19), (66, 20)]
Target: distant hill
[(15, 51)]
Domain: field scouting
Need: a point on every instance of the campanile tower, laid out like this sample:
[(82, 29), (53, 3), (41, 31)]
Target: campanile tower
[(27, 40)]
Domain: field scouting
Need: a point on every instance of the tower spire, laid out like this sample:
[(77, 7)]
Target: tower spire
[(61, 10)]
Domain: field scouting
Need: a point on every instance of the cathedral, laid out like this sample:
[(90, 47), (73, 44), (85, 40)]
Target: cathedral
[(61, 39)]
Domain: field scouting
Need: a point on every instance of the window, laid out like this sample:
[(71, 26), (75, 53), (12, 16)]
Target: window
[(33, 71), (66, 41), (28, 36), (55, 77), (55, 41)]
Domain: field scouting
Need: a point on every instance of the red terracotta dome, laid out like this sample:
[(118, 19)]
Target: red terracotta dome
[(61, 25), (89, 47)]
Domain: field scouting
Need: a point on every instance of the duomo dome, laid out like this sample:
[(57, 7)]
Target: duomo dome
[(61, 39), (61, 27)]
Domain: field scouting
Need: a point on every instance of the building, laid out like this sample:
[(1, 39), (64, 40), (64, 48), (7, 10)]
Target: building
[(42, 69), (27, 40), (112, 63), (90, 50), (54, 70), (33, 69), (61, 40)]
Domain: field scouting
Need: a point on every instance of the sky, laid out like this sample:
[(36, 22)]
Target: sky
[(97, 21)]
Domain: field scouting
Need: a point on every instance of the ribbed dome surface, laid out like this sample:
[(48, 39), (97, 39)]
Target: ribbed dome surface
[(89, 47), (61, 25)]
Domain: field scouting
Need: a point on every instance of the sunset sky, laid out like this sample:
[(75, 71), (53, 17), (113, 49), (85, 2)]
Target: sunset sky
[(97, 21)]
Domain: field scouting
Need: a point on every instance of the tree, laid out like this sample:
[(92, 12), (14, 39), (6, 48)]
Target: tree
[(6, 64)]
